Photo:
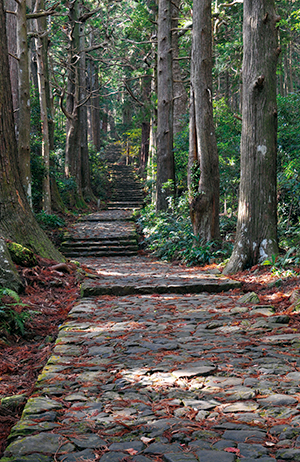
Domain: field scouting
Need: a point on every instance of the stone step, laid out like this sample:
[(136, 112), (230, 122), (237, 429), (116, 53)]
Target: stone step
[(118, 252), (94, 288), (99, 242), (122, 205), (96, 248), (130, 193)]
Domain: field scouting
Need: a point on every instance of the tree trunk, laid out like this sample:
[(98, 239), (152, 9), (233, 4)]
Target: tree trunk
[(41, 69), (179, 92), (83, 126), (256, 236), (24, 102), (16, 219), (95, 105), (165, 156), (204, 200), (11, 29), (144, 152), (144, 147), (73, 137)]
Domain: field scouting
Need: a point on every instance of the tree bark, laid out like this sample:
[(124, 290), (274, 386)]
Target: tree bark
[(94, 104), (16, 219), (24, 101), (165, 156), (40, 27), (73, 139), (11, 26), (144, 148), (204, 197), (83, 125), (180, 98), (256, 236), (144, 152)]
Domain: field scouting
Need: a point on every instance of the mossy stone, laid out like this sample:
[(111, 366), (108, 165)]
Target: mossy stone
[(21, 255), (12, 402)]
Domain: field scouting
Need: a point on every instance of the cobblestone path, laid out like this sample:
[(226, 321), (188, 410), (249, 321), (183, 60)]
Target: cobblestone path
[(177, 377)]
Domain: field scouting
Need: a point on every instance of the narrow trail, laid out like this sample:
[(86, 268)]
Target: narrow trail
[(160, 363)]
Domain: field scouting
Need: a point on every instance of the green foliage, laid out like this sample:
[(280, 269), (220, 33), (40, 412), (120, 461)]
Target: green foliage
[(131, 143), (181, 156), (99, 174), (282, 265), (49, 221), (228, 133), (12, 316), (288, 162), (169, 235)]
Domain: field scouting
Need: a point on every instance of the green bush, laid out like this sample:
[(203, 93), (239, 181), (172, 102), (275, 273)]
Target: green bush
[(49, 221), (169, 236), (12, 316)]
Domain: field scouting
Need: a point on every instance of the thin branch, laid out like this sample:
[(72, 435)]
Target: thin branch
[(185, 30), (86, 16), (14, 56), (64, 110), (10, 12), (174, 4), (228, 5), (83, 102), (37, 34), (95, 47), (237, 117), (179, 96), (132, 95), (140, 43), (41, 14)]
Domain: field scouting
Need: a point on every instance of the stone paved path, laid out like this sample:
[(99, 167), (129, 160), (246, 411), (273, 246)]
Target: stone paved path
[(174, 377)]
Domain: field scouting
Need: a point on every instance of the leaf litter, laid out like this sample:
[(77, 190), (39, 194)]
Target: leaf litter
[(49, 295), (22, 359)]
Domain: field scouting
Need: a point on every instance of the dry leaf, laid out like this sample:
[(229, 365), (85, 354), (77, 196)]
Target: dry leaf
[(234, 450), (131, 451), (146, 440)]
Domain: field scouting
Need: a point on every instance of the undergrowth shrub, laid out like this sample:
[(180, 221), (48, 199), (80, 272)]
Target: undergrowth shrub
[(12, 314), (49, 221), (169, 236)]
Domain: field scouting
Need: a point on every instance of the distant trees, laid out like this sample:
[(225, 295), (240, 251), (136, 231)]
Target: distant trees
[(16, 219)]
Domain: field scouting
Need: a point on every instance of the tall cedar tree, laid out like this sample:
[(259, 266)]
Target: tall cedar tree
[(256, 236), (165, 156), (16, 219), (203, 155)]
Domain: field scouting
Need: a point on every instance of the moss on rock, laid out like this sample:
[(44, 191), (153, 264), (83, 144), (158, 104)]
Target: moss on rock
[(21, 255)]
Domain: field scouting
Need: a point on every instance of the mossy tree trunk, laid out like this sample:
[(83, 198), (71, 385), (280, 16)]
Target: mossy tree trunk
[(16, 219)]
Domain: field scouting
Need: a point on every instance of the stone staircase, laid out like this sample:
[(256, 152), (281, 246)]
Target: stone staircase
[(127, 192), (111, 232), (100, 238)]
